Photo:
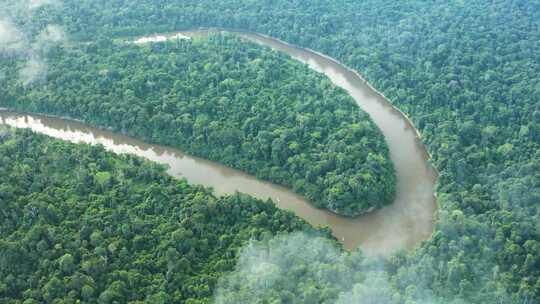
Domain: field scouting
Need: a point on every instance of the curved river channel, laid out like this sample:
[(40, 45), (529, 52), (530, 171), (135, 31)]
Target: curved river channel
[(401, 225)]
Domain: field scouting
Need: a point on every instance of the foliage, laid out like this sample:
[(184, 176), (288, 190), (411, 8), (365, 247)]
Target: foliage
[(227, 100), (466, 72), (141, 236)]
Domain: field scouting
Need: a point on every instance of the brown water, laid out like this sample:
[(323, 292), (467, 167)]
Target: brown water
[(401, 225)]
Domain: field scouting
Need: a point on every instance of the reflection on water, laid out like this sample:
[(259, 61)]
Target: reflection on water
[(404, 223), (160, 38)]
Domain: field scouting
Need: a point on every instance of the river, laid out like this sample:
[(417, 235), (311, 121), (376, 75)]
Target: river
[(401, 225)]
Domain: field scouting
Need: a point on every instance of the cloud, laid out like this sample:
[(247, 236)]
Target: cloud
[(307, 268), (52, 33), (49, 37), (266, 270), (33, 71), (374, 290), (33, 4), (12, 40), (35, 68)]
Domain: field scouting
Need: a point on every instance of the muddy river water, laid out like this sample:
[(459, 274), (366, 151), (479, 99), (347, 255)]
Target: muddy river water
[(401, 225)]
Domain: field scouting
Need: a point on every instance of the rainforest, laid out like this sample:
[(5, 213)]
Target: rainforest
[(414, 118), (227, 101)]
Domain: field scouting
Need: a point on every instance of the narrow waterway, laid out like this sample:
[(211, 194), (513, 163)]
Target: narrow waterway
[(404, 223)]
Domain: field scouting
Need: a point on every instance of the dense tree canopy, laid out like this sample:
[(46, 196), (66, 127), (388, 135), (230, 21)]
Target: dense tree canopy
[(77, 222), (466, 72), (227, 100)]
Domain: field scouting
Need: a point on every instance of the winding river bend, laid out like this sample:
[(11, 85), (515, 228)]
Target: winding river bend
[(404, 223)]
